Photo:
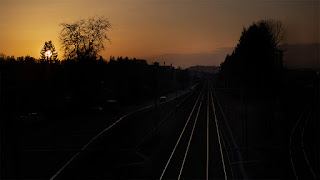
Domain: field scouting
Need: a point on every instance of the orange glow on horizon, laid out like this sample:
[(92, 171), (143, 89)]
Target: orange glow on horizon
[(145, 29)]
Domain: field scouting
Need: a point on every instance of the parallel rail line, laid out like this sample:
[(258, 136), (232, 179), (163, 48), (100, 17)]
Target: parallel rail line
[(221, 144), (104, 131)]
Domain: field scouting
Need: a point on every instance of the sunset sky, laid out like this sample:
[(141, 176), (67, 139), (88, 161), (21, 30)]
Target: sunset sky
[(181, 32)]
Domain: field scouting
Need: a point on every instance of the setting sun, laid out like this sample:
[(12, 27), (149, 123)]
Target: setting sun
[(48, 53)]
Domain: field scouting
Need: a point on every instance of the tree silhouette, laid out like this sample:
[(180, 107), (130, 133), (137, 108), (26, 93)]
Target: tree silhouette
[(254, 60), (2, 56), (48, 48), (84, 38)]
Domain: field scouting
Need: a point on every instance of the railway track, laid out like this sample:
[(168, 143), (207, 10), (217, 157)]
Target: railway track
[(200, 150), (189, 140), (88, 146), (299, 158)]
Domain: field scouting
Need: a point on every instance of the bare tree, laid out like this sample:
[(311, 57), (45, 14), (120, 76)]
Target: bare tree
[(276, 29), (85, 37)]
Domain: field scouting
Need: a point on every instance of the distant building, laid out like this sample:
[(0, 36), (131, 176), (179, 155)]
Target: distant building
[(205, 69), (140, 61)]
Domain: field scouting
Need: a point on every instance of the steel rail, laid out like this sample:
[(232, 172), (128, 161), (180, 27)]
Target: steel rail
[(162, 120), (303, 147), (290, 142), (176, 145), (219, 139), (242, 170), (189, 142), (224, 145)]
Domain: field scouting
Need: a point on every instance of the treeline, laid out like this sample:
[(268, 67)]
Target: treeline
[(28, 86), (27, 59)]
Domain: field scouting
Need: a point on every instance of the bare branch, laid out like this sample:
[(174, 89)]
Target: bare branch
[(277, 30), (84, 38)]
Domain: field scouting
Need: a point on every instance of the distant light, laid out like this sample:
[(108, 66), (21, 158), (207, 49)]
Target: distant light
[(48, 53)]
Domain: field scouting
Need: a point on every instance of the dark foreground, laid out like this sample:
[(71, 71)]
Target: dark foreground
[(144, 145), (208, 131)]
